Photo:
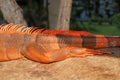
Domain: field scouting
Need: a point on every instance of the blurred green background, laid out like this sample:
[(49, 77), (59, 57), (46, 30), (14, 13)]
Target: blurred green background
[(96, 16)]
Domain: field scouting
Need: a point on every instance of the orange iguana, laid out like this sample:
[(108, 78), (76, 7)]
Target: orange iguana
[(17, 41)]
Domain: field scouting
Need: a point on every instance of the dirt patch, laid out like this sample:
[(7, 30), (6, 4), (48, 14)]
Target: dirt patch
[(98, 67)]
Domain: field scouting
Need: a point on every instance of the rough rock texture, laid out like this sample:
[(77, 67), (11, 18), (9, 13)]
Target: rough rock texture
[(99, 67)]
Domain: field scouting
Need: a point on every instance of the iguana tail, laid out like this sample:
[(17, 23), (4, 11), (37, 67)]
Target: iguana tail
[(107, 41)]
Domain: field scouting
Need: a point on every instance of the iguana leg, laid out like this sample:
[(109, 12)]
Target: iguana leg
[(35, 53), (82, 52), (9, 54), (10, 44)]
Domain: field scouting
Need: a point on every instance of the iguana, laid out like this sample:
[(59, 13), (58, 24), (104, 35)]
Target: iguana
[(46, 46)]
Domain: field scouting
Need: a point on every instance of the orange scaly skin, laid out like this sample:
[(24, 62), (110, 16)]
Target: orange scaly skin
[(46, 46)]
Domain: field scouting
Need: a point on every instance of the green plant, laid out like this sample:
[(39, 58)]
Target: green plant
[(116, 20)]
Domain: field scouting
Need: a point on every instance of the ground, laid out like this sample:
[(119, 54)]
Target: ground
[(98, 67)]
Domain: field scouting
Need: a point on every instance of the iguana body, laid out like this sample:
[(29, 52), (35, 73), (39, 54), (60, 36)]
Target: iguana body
[(17, 41)]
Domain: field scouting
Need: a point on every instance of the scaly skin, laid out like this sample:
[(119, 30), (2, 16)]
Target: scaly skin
[(46, 46)]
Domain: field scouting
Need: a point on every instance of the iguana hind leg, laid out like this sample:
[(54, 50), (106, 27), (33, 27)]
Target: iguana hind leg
[(36, 53)]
